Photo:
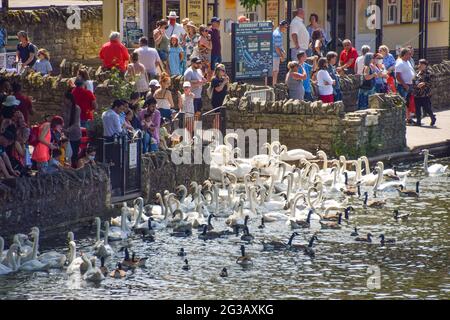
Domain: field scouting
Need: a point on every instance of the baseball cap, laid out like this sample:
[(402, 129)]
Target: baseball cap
[(215, 19), (186, 84), (155, 83), (196, 60), (284, 23)]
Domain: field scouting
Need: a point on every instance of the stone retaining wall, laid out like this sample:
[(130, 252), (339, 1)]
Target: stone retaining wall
[(47, 28)]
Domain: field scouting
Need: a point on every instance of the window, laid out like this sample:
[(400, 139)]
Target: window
[(435, 10), (392, 7), (416, 10)]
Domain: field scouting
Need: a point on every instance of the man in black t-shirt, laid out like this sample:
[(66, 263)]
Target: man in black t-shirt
[(26, 51)]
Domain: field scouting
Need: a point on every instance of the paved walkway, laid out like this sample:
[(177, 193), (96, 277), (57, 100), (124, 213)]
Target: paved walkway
[(417, 137), (47, 3)]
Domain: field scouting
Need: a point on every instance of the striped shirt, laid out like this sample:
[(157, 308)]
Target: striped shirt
[(277, 42)]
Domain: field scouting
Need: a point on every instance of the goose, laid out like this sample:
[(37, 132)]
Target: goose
[(11, 257), (102, 249), (435, 169), (186, 265), (332, 224), (180, 223), (275, 245), (244, 260), (247, 236), (402, 216), (134, 261), (209, 224), (34, 264), (118, 272), (309, 251), (354, 233), (295, 154), (367, 239), (383, 240), (223, 273), (208, 235), (182, 253), (373, 203), (335, 216), (350, 190), (409, 193), (182, 233), (92, 273), (295, 222), (118, 234), (145, 228)]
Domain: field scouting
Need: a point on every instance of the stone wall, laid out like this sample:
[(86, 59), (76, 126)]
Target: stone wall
[(47, 29), (56, 203), (313, 126)]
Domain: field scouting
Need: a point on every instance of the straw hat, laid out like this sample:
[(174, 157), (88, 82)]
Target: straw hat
[(172, 14)]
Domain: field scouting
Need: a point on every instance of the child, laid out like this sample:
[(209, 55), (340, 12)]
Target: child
[(150, 144), (176, 55), (43, 65), (187, 100), (53, 164)]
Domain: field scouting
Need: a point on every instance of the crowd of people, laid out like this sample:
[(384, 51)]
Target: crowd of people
[(314, 73)]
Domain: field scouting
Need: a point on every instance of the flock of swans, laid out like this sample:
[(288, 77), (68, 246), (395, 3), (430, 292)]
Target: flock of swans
[(264, 189)]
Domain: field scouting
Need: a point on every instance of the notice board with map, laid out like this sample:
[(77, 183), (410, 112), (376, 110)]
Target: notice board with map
[(252, 50)]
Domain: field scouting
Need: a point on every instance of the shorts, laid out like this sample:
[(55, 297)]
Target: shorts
[(198, 105), (276, 64), (166, 113)]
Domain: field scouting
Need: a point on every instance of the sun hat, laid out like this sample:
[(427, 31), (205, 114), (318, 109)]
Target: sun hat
[(155, 83), (11, 101), (172, 14)]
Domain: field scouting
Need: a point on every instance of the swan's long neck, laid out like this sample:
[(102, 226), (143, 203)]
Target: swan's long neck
[(246, 182), (139, 217), (107, 232), (325, 161), (425, 162), (272, 185), (72, 251), (13, 261), (123, 222), (308, 197), (335, 174), (251, 200), (183, 193), (379, 179), (289, 187), (35, 245), (2, 247), (358, 169)]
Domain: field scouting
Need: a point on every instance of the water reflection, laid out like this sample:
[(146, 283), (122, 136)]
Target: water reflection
[(415, 267)]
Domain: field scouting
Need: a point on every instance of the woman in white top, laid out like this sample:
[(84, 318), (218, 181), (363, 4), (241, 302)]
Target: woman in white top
[(325, 82), (164, 98), (136, 72)]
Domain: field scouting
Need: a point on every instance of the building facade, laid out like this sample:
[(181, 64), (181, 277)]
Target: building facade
[(420, 23)]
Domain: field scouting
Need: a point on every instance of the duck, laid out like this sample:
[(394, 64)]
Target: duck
[(276, 245), (384, 240), (402, 216), (186, 265), (181, 253), (102, 249), (247, 236), (134, 262), (262, 225), (366, 239), (354, 233), (11, 257), (93, 273), (435, 169), (224, 273), (332, 224), (373, 203), (409, 193), (244, 260), (208, 235)]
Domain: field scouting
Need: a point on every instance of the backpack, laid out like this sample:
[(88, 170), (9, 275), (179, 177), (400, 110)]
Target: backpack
[(33, 140)]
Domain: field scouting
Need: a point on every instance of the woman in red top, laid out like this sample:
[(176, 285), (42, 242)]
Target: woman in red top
[(41, 153)]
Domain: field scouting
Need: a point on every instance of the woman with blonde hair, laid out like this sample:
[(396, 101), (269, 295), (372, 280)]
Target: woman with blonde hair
[(204, 50), (43, 65), (136, 72), (219, 84), (164, 98), (389, 64), (294, 81)]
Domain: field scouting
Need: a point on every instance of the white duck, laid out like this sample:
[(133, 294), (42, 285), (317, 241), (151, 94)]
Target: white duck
[(435, 169)]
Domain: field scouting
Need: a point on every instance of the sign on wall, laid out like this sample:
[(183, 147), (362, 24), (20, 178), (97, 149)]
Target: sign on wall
[(272, 10), (407, 11), (230, 4), (252, 50), (195, 11)]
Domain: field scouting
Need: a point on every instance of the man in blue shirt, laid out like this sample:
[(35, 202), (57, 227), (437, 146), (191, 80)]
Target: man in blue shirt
[(279, 54), (111, 119), (302, 57), (26, 51)]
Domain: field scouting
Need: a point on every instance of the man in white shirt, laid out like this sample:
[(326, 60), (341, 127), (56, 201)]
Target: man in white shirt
[(405, 74), (174, 28), (359, 64), (111, 119), (149, 57), (299, 35)]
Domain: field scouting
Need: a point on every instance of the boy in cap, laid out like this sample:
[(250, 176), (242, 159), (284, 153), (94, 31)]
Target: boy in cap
[(279, 54)]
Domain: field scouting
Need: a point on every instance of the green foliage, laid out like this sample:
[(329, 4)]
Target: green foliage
[(121, 88), (250, 4), (340, 147)]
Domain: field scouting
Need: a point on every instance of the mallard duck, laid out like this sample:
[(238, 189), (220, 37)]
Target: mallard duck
[(224, 273), (208, 235), (134, 262), (181, 253), (368, 239), (383, 240), (373, 203), (262, 225), (409, 193), (118, 272), (354, 233), (244, 260), (186, 265), (247, 236), (332, 224), (402, 216)]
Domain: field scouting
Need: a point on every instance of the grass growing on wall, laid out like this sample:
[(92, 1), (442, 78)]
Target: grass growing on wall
[(340, 147)]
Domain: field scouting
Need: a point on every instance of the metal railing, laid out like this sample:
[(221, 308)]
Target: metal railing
[(260, 95)]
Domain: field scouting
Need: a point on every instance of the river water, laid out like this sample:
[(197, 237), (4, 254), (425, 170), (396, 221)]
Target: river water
[(416, 267)]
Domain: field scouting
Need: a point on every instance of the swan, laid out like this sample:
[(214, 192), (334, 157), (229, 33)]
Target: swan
[(11, 257), (103, 249), (53, 259), (74, 261), (295, 154), (187, 201), (116, 233), (33, 264), (435, 169), (387, 185), (25, 249), (93, 273), (2, 248), (139, 202), (297, 218), (262, 160), (392, 172)]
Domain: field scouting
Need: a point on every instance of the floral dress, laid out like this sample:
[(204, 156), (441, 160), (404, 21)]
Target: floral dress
[(191, 44)]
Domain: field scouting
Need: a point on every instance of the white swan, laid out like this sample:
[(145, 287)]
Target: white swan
[(102, 249), (33, 264), (2, 248), (435, 169), (53, 259), (116, 233), (93, 273), (11, 257), (295, 154)]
